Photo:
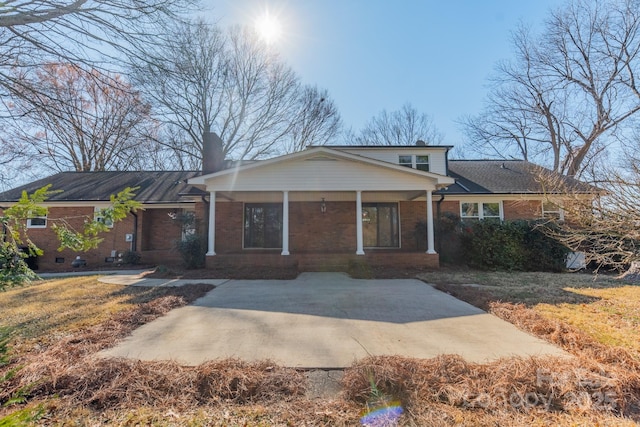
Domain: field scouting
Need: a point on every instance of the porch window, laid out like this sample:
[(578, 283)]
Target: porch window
[(380, 225), (37, 222), (481, 210), (263, 225)]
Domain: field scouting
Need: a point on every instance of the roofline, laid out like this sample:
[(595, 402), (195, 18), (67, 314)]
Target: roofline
[(382, 146)]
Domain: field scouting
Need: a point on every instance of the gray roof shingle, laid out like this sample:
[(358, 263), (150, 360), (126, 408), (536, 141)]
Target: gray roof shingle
[(506, 177), (155, 186)]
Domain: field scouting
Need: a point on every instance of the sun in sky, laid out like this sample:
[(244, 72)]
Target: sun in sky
[(269, 27)]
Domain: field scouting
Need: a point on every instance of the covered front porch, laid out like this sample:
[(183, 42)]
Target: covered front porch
[(320, 208), (321, 230)]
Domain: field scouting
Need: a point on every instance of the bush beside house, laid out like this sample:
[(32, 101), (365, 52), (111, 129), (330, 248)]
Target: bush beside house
[(494, 245)]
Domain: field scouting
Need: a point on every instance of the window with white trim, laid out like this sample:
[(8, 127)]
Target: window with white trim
[(481, 210), (37, 222), (97, 213), (552, 211), (405, 161), (418, 161)]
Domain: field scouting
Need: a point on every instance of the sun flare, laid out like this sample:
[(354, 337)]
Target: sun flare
[(269, 28)]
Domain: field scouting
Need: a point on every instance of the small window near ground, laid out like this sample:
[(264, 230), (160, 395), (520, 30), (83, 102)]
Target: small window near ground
[(406, 161), (37, 222), (552, 211), (422, 163)]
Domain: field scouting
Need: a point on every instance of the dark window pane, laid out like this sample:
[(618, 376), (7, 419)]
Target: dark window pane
[(380, 225), (263, 225)]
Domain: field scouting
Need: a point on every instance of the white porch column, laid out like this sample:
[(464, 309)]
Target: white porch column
[(359, 244), (211, 241), (285, 223), (430, 244)]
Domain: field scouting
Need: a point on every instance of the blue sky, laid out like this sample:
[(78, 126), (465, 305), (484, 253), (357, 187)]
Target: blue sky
[(374, 54)]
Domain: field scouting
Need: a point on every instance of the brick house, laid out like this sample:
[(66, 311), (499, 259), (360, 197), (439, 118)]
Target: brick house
[(319, 208)]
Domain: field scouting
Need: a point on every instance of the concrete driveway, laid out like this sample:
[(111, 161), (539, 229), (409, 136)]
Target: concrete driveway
[(326, 320)]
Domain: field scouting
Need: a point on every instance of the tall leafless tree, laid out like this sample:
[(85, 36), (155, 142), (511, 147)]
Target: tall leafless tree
[(75, 120), (92, 34), (231, 83), (568, 93), (401, 127)]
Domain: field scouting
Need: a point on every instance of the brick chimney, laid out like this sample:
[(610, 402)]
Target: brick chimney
[(212, 153)]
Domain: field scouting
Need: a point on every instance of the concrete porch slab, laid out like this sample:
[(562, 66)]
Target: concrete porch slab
[(327, 320)]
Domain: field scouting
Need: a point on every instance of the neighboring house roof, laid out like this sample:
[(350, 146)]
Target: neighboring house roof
[(154, 186), (508, 177)]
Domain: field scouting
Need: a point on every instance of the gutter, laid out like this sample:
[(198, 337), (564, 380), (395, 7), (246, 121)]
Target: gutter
[(135, 232), (437, 228)]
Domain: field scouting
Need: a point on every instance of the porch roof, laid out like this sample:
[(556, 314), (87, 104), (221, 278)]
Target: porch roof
[(321, 169)]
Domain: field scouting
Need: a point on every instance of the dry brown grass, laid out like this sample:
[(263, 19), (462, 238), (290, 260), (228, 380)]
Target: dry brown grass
[(508, 389), (64, 383)]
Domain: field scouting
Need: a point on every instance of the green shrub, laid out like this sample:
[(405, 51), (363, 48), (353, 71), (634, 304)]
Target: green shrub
[(511, 245), (193, 250), (131, 257)]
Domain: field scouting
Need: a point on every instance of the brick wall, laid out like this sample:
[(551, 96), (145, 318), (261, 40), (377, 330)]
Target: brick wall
[(47, 240), (229, 217), (410, 214), (159, 230), (522, 209), (310, 230)]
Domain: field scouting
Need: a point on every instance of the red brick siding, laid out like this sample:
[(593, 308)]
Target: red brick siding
[(310, 230), (229, 220), (47, 240), (159, 230), (522, 209), (410, 214), (449, 206)]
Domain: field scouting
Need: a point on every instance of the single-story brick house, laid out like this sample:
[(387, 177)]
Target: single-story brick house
[(321, 207)]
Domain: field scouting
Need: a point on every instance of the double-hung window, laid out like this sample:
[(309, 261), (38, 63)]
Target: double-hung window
[(420, 162), (263, 225), (481, 210)]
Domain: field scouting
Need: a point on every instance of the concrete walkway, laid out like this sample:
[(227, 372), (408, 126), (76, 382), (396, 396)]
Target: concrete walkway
[(326, 320), (132, 278)]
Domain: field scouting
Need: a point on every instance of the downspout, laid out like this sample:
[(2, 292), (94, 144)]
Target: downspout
[(134, 241), (438, 210)]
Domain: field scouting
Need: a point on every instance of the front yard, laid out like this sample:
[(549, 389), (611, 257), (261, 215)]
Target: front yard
[(49, 374)]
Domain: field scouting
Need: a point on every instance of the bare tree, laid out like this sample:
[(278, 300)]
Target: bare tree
[(74, 120), (89, 32), (401, 127), (231, 83), (568, 92)]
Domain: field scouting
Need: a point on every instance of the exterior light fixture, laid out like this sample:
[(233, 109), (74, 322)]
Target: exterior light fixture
[(323, 206)]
